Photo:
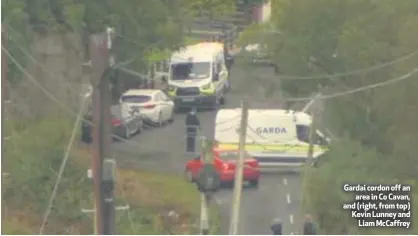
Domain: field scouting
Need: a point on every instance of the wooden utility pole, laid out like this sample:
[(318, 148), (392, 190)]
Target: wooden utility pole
[(4, 68), (309, 161), (4, 65), (236, 199), (207, 158), (102, 155), (312, 133)]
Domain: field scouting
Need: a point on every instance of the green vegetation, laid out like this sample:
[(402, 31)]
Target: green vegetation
[(376, 128), (34, 155), (145, 32)]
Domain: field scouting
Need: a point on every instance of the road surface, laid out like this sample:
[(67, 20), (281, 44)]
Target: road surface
[(161, 149)]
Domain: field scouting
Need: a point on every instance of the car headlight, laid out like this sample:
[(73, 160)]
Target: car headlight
[(206, 86)]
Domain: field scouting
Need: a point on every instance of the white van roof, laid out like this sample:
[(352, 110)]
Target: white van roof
[(201, 52), (301, 118)]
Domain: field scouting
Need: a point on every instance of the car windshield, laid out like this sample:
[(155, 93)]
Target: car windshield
[(186, 71), (136, 98)]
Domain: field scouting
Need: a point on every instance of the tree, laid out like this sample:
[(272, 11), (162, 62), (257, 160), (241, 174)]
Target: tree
[(377, 126), (211, 7)]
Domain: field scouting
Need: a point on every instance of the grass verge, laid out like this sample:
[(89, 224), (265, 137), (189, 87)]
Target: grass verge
[(159, 203)]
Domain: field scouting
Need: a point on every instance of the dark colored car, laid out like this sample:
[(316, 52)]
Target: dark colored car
[(124, 126)]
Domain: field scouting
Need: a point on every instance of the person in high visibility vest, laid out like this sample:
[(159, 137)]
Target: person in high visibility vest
[(192, 127)]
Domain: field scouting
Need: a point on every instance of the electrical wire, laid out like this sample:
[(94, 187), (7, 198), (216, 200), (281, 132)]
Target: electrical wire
[(131, 222), (62, 168), (333, 76), (295, 99), (51, 75), (341, 74), (353, 72), (359, 89), (329, 75), (53, 98), (372, 86), (63, 164)]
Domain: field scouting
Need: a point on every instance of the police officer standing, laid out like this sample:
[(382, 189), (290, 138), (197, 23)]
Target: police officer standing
[(192, 127), (309, 227), (277, 227)]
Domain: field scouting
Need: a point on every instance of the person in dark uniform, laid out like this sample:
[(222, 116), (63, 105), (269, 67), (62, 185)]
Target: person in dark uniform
[(192, 127), (277, 227), (86, 128), (309, 227)]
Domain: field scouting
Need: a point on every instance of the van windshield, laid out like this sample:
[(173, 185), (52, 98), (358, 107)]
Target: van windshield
[(187, 71)]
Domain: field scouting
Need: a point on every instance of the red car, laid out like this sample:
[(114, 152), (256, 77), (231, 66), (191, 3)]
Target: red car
[(225, 164)]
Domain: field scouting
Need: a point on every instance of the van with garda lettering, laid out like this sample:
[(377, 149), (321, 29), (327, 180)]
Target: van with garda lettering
[(198, 76), (275, 137)]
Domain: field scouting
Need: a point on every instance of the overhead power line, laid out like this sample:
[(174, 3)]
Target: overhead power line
[(62, 167), (352, 72), (363, 88)]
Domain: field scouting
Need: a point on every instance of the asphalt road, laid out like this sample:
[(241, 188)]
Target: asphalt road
[(162, 149)]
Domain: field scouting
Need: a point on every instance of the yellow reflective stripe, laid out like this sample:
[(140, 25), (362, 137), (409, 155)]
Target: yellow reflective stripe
[(269, 147), (171, 93), (210, 90), (207, 92)]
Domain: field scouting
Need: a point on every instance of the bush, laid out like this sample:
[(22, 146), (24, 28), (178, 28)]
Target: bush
[(346, 162)]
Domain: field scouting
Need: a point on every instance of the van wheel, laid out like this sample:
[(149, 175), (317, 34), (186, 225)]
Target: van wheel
[(254, 183), (215, 104), (222, 100)]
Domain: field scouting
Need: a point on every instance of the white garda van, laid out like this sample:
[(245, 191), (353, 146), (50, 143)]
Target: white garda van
[(275, 137), (198, 76)]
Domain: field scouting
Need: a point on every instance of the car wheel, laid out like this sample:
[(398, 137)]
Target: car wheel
[(171, 119), (254, 183), (127, 133), (160, 120), (140, 127), (188, 176)]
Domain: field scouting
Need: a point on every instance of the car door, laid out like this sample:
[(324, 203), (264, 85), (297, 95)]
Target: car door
[(128, 120), (136, 118), (160, 104), (168, 105)]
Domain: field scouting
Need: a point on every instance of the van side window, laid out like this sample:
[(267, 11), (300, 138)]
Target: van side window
[(302, 132), (303, 135), (218, 66), (214, 69), (320, 140)]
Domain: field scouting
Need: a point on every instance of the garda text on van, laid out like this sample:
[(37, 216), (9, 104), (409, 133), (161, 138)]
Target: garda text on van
[(276, 130)]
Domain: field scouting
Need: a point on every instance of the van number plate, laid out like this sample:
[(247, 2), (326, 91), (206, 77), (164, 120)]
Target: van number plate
[(188, 99)]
